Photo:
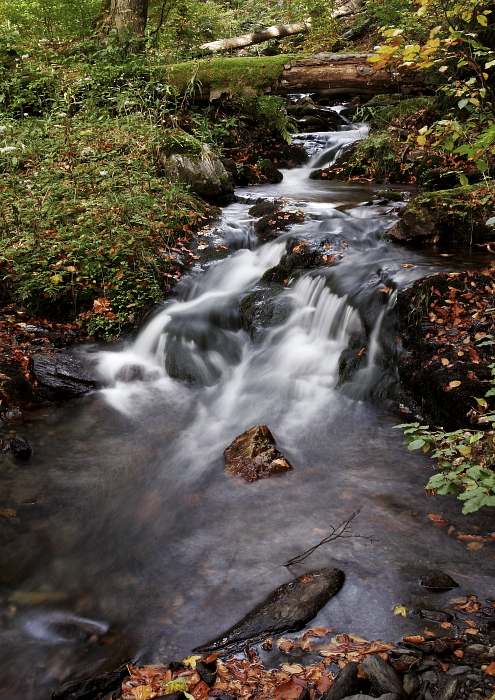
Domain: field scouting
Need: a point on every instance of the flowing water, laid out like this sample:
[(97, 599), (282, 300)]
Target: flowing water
[(146, 547)]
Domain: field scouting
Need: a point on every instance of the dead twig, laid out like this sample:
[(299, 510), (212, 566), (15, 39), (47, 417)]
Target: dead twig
[(342, 531)]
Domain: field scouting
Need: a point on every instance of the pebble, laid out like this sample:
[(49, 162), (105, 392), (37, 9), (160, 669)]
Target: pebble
[(458, 670)]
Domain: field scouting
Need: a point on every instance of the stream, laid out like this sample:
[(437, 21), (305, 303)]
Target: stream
[(146, 548)]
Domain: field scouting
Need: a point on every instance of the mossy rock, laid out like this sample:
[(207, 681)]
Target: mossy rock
[(263, 309), (172, 141), (456, 215)]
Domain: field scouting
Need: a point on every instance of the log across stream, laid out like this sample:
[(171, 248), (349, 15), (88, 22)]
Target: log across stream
[(143, 548)]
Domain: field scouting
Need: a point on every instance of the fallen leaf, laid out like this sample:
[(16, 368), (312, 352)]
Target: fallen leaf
[(490, 669), (475, 545), (141, 692), (400, 610), (323, 684), (459, 653), (471, 631), (444, 361), (293, 668), (443, 666), (408, 265), (285, 644), (290, 690), (191, 660), (454, 384), (446, 625), (428, 633), (435, 516), (414, 639)]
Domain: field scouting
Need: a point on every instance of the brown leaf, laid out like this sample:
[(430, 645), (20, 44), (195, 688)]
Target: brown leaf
[(323, 684), (490, 669), (290, 690), (435, 516), (459, 653), (414, 639)]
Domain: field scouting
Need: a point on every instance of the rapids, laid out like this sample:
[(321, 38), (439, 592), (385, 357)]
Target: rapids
[(146, 547)]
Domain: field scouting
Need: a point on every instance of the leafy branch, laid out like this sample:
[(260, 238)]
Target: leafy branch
[(342, 531)]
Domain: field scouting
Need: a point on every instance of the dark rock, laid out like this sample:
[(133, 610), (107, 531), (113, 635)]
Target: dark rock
[(438, 580), (92, 688), (288, 609), (433, 615), (130, 373), (270, 226), (440, 647), (346, 683), (458, 670), (253, 455), (207, 672), (14, 416), (263, 209), (384, 678), (175, 666), (429, 676), (448, 691), (269, 171), (65, 373), (410, 683), (264, 308), (475, 649), (9, 530), (20, 447)]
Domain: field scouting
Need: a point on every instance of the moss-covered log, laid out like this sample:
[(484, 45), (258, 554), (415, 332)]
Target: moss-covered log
[(326, 74)]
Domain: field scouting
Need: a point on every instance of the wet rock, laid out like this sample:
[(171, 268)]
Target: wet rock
[(130, 373), (263, 309), (14, 416), (475, 649), (346, 683), (384, 678), (269, 171), (20, 447), (207, 672), (263, 209), (269, 227), (458, 670), (451, 215), (92, 688), (177, 695), (288, 609), (448, 691), (438, 580), (433, 615), (253, 455), (64, 373), (410, 683)]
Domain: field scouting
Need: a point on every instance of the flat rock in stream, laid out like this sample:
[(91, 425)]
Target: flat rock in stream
[(288, 609), (65, 373), (253, 455)]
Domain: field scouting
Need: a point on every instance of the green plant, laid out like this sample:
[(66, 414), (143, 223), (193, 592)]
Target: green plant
[(466, 458)]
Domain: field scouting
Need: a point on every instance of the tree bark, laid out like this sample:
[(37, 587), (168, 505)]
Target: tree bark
[(339, 74), (128, 17), (238, 42)]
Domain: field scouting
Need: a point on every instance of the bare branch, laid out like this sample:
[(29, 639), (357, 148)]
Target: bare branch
[(342, 531)]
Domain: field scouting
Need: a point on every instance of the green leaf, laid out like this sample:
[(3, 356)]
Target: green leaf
[(482, 166), (463, 180), (462, 103), (416, 444), (482, 20)]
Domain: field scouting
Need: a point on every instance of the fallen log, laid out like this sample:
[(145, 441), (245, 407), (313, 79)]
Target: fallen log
[(344, 73), (324, 74), (275, 32)]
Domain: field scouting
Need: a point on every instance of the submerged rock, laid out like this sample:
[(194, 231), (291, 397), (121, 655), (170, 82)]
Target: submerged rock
[(288, 609), (90, 688), (438, 580), (253, 455), (65, 373)]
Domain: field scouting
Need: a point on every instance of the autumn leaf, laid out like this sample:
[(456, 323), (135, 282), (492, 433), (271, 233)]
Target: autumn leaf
[(400, 610), (101, 305), (414, 639), (142, 692)]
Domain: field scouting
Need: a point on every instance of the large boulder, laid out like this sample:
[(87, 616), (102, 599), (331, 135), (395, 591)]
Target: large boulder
[(64, 373), (202, 170), (253, 455)]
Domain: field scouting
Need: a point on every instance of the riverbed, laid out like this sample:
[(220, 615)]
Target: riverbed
[(146, 548)]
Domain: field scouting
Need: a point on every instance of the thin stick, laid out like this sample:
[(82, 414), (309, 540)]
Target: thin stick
[(342, 531)]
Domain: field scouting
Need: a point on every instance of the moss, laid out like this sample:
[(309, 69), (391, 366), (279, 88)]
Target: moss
[(235, 75), (458, 214), (178, 141)]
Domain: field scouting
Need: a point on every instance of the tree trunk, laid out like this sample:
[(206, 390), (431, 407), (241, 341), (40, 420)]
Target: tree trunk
[(238, 42), (128, 17)]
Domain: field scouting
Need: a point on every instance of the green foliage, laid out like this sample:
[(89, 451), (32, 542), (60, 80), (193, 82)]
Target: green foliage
[(466, 458), (274, 114), (373, 153), (87, 221)]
